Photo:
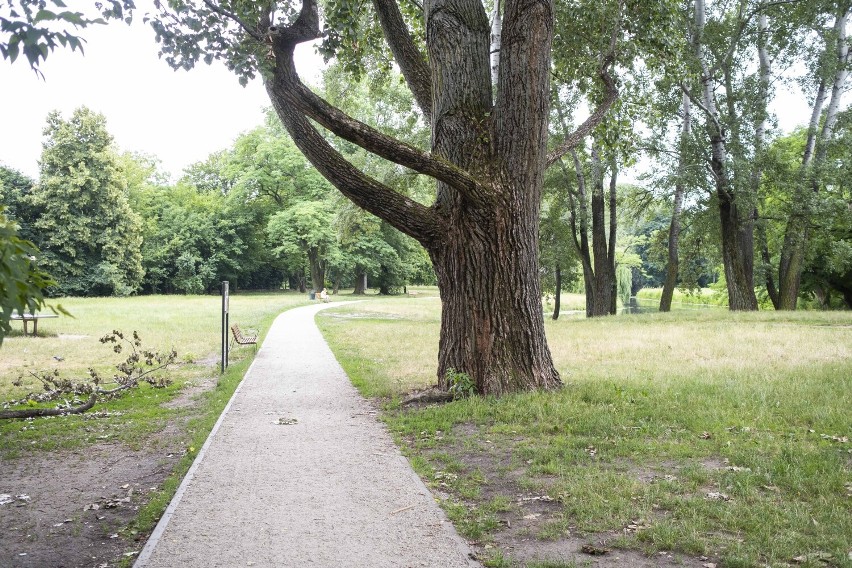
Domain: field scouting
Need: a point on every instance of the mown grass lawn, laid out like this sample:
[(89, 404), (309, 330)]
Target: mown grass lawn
[(703, 432)]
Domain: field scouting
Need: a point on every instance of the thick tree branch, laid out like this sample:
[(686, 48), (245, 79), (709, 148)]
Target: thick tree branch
[(405, 214), (610, 96), (294, 104), (306, 28), (411, 62), (367, 137)]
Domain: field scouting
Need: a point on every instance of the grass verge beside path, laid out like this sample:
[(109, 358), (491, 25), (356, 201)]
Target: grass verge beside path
[(161, 429), (710, 434), (189, 324)]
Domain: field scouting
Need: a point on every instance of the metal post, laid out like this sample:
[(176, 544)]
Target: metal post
[(225, 298)]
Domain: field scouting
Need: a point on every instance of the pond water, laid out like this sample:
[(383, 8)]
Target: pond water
[(645, 305)]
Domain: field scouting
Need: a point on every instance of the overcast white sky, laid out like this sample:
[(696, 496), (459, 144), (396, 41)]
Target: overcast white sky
[(179, 116)]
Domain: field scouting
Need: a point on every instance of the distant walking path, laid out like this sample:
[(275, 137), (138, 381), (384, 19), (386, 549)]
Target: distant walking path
[(299, 473)]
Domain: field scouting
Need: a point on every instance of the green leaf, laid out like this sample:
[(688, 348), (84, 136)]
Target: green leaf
[(44, 15), (13, 50)]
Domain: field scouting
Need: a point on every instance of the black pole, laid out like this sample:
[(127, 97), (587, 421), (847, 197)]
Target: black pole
[(225, 298)]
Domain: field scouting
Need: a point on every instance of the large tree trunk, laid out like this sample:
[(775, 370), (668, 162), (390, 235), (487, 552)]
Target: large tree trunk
[(492, 326), (492, 323), (673, 266), (488, 156)]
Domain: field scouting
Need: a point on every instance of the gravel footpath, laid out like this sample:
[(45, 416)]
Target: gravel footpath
[(327, 487)]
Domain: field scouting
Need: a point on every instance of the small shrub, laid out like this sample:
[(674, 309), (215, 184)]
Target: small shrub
[(461, 385)]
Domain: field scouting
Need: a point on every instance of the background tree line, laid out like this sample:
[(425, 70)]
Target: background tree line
[(257, 214)]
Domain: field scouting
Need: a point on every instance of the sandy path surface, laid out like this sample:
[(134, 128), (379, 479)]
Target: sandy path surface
[(330, 489)]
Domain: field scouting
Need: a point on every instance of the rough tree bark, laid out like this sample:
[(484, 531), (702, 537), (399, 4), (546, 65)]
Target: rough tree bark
[(673, 265), (488, 157)]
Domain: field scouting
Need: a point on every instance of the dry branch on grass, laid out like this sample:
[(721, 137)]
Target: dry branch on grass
[(141, 365)]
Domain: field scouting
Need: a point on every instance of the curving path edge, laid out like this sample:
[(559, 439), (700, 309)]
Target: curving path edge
[(329, 490)]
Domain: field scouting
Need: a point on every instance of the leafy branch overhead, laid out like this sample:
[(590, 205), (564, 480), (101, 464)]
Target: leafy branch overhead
[(140, 366), (34, 28)]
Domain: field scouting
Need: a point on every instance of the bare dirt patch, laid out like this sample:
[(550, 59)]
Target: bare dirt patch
[(531, 511), (68, 509), (76, 503), (188, 394)]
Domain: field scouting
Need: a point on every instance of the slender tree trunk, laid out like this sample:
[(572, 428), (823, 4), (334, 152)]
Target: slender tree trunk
[(847, 298), (761, 115), (736, 227), (823, 296), (673, 265), (604, 283), (558, 297), (496, 40), (299, 282), (766, 260), (580, 232), (796, 233), (613, 230)]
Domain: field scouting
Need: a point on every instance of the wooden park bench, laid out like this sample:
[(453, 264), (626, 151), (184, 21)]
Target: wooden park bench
[(26, 318), (243, 339)]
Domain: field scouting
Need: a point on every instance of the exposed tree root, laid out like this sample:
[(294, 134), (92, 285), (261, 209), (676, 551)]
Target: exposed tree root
[(431, 396)]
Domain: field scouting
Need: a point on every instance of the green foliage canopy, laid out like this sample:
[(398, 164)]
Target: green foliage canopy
[(89, 236)]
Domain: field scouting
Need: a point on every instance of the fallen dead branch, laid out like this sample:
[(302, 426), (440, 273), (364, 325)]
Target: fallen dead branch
[(141, 366), (61, 411)]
